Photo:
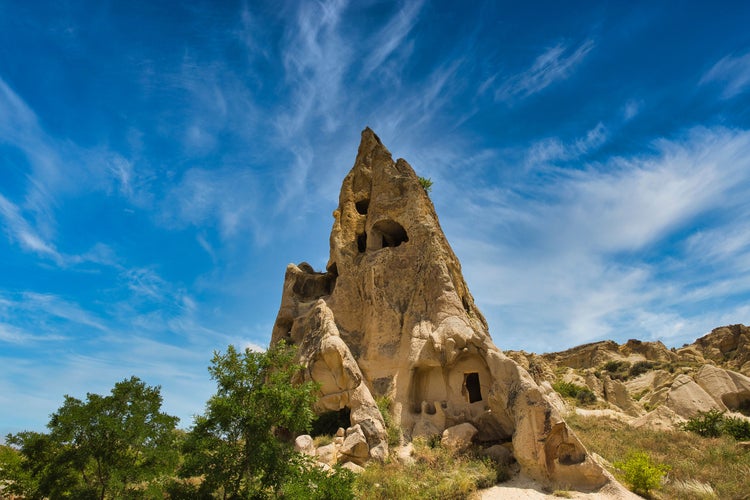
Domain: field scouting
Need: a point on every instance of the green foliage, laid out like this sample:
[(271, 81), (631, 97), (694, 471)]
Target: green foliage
[(435, 473), (570, 390), (426, 183), (736, 427), (313, 483), (641, 367), (242, 445), (713, 423), (391, 428), (106, 447), (617, 369), (641, 473)]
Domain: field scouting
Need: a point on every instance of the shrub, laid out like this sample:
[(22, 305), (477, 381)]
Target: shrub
[(641, 367), (640, 472), (570, 390), (736, 427), (617, 369), (713, 423)]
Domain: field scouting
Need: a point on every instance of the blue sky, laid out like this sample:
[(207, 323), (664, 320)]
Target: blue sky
[(161, 164)]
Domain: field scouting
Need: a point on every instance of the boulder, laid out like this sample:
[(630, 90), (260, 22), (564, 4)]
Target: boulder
[(499, 454), (327, 454), (304, 444), (355, 448), (458, 437)]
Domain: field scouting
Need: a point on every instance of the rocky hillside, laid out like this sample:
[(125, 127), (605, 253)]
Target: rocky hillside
[(646, 383)]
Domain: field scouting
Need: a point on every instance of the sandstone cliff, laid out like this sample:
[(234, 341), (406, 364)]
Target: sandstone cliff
[(392, 316), (651, 385)]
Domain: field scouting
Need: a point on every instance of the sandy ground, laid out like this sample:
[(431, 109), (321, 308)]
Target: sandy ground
[(525, 488)]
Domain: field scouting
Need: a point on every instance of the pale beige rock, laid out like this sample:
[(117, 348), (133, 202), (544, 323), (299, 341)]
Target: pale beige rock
[(660, 419), (686, 398), (498, 453), (304, 444), (404, 454), (393, 317), (355, 448), (327, 454), (616, 393), (357, 469), (459, 437), (728, 389)]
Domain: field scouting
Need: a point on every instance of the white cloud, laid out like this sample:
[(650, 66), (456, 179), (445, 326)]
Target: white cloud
[(551, 66), (225, 198), (573, 258), (552, 149), (732, 72), (391, 37)]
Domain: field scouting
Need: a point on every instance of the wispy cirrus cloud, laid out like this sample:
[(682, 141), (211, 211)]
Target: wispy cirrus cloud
[(391, 37), (588, 272), (555, 64), (553, 149), (732, 73)]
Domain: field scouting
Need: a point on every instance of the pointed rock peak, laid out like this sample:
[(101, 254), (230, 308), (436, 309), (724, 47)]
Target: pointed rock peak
[(393, 317)]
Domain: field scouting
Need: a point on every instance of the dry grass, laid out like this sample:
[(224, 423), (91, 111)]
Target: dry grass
[(699, 465), (436, 473)]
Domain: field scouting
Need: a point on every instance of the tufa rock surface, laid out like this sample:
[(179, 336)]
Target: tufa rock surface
[(649, 385), (392, 317)]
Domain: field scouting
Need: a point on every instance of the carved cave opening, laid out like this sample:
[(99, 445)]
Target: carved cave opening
[(362, 206), (473, 389), (327, 423), (362, 242), (388, 233)]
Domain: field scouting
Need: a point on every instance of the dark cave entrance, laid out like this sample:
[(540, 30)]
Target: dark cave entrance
[(474, 391)]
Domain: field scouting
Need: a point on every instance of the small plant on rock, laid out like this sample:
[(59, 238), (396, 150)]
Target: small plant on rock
[(426, 183)]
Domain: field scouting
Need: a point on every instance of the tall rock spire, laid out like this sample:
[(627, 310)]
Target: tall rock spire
[(392, 316)]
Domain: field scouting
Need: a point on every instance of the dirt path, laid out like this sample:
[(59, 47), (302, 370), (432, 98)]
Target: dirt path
[(522, 487)]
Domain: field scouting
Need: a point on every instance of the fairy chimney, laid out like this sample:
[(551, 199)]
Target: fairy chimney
[(392, 317)]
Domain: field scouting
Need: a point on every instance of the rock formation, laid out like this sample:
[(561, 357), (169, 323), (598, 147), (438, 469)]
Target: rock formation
[(393, 317), (651, 385)]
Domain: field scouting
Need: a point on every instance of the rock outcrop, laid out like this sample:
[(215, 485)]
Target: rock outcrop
[(392, 317), (637, 378)]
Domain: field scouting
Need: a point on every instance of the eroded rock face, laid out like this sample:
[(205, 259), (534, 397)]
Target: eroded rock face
[(393, 317)]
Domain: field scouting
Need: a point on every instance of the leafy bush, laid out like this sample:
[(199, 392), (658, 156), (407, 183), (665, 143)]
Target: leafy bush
[(736, 427), (616, 366), (705, 423), (640, 472), (570, 390), (713, 423), (641, 367)]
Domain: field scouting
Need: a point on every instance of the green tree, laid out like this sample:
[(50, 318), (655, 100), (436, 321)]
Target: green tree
[(106, 447), (241, 446)]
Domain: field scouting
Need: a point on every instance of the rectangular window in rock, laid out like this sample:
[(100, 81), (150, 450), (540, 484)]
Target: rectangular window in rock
[(471, 384)]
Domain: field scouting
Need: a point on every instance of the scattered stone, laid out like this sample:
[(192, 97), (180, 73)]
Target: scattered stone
[(327, 454), (304, 444)]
